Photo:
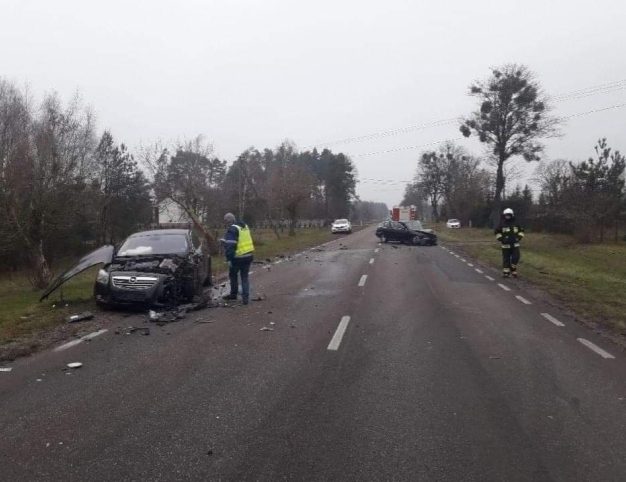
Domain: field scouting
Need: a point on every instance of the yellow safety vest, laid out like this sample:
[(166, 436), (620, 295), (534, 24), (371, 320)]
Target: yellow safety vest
[(244, 243)]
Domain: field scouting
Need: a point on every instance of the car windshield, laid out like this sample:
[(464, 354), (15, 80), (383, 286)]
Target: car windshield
[(453, 220), (341, 221), (416, 225), (154, 244)]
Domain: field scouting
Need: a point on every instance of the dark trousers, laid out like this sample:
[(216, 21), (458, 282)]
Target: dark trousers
[(240, 266), (510, 259)]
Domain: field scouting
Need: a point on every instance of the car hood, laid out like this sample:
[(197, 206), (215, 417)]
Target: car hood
[(103, 255), (427, 232)]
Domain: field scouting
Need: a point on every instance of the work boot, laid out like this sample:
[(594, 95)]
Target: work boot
[(514, 273), (229, 297)]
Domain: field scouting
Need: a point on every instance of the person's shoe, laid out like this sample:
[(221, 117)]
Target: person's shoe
[(245, 301), (506, 275), (229, 297), (514, 274)]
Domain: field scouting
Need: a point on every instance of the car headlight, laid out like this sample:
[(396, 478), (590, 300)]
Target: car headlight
[(103, 277)]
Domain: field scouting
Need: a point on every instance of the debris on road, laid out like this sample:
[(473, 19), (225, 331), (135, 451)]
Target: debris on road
[(265, 328), (87, 315), (259, 297), (204, 321), (495, 357), (144, 330), (74, 365)]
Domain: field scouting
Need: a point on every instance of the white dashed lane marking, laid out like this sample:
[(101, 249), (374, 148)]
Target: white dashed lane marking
[(489, 278), (479, 271), (338, 336), (470, 265), (504, 287), (552, 319), (523, 300), (80, 340), (363, 280), (371, 260), (595, 348)]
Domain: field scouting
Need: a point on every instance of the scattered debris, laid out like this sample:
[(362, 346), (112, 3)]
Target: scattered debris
[(5, 369), (145, 331), (74, 365), (203, 321), (495, 357), (394, 246), (39, 380), (87, 315), (259, 297), (343, 247), (265, 328), (272, 322)]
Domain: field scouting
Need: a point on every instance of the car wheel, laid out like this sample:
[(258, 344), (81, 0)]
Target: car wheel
[(416, 240), (384, 239)]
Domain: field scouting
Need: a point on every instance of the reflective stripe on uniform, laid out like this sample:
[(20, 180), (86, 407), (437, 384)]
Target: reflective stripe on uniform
[(244, 243)]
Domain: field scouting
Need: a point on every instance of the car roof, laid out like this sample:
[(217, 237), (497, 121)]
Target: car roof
[(160, 232)]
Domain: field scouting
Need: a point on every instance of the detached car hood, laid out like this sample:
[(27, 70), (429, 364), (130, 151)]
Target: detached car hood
[(103, 255)]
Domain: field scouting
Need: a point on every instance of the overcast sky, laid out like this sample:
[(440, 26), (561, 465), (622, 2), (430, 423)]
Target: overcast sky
[(252, 73)]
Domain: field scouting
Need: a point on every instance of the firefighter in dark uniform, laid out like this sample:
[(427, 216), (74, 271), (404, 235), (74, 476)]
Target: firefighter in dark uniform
[(509, 233)]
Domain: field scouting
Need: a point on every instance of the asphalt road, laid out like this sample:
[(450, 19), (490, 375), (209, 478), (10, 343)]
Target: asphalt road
[(439, 373)]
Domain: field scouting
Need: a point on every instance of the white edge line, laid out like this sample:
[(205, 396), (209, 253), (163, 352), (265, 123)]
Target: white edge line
[(80, 340), (480, 271), (523, 300), (596, 348), (504, 287), (339, 332), (377, 250), (552, 319), (363, 280), (489, 277)]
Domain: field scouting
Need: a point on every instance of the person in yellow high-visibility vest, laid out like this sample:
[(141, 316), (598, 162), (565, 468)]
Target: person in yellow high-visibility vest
[(239, 249)]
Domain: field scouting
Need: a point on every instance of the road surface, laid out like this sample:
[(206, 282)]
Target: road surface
[(380, 363)]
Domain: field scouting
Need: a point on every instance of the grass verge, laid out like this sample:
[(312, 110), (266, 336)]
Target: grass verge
[(23, 319), (590, 279)]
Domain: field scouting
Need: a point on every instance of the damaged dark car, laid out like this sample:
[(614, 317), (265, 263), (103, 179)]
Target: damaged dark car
[(153, 268), (409, 232)]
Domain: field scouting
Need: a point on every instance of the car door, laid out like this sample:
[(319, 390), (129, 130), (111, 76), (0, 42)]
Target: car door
[(399, 231)]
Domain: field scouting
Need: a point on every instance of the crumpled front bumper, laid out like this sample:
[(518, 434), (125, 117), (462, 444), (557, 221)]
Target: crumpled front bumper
[(131, 292)]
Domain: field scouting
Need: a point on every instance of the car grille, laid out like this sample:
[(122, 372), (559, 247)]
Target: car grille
[(135, 283)]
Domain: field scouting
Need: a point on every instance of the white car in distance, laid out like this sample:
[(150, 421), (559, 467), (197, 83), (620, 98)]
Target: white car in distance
[(341, 226), (453, 224)]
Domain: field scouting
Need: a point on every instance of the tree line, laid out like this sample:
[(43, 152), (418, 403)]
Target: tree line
[(586, 198), (65, 189)]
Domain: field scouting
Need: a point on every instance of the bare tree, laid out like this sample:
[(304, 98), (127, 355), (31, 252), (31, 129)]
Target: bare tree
[(513, 115)]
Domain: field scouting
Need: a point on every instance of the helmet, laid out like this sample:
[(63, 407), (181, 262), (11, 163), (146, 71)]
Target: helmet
[(507, 211)]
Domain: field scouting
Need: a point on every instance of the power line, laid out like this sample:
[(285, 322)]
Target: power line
[(608, 87), (406, 148)]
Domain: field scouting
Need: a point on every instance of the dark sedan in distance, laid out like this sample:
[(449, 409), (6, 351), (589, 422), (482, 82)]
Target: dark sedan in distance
[(410, 232)]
